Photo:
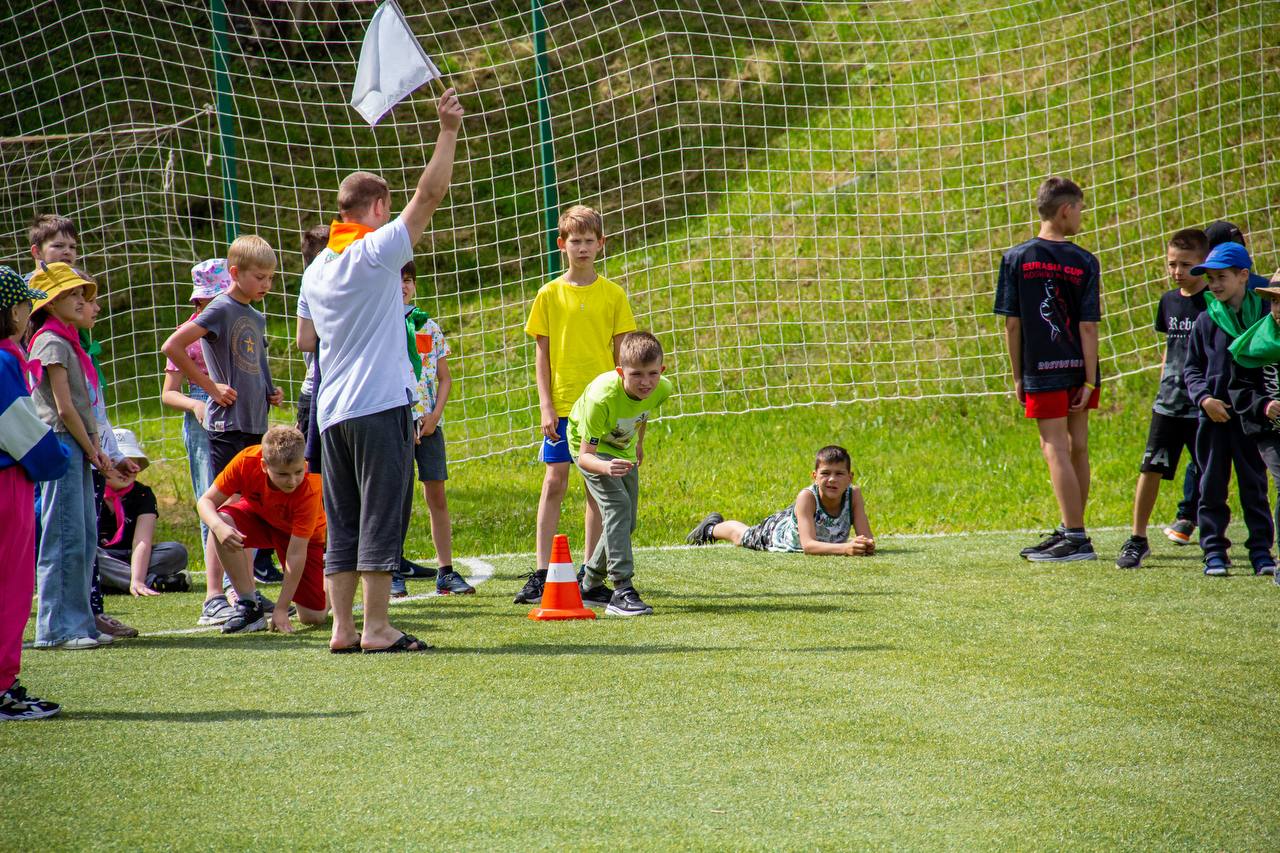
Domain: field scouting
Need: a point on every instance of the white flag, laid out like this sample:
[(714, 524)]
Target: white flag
[(392, 64)]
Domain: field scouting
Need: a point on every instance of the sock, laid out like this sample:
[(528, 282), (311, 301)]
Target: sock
[(542, 574), (447, 567), (1076, 534), (1136, 538)]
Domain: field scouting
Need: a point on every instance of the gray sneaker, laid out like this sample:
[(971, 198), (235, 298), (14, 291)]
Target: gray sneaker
[(598, 596), (625, 601), (216, 611)]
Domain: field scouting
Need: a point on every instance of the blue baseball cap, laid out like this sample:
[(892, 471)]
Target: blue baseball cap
[(1225, 256)]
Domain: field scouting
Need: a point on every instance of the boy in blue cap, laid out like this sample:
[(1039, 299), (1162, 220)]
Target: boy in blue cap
[(1221, 443)]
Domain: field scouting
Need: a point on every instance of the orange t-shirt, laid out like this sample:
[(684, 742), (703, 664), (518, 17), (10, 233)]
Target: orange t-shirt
[(298, 513)]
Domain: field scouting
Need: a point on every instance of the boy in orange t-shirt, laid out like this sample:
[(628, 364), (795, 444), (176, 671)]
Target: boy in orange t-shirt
[(265, 498)]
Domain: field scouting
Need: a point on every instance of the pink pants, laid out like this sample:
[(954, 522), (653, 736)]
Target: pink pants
[(17, 567)]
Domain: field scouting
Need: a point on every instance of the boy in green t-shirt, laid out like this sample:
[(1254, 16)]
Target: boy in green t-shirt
[(578, 321), (606, 433)]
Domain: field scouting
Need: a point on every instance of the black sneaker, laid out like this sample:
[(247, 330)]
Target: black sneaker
[(625, 601), (1066, 550), (179, 582), (600, 596), (15, 705), (532, 591), (264, 568), (1045, 544), (268, 606), (450, 582), (1264, 565), (414, 572), (1132, 553), (701, 535), (249, 617), (1216, 565)]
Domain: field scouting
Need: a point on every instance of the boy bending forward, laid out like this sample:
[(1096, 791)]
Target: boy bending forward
[(606, 431)]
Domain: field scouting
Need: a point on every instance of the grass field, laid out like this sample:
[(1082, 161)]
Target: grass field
[(941, 695)]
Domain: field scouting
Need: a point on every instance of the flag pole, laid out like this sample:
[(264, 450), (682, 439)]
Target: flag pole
[(550, 190), (226, 120)]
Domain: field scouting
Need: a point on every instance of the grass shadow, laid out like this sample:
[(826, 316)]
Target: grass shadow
[(546, 650), (229, 715)]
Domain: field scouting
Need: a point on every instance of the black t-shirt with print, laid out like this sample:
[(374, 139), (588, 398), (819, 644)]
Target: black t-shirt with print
[(140, 501), (1053, 287), (1175, 316)]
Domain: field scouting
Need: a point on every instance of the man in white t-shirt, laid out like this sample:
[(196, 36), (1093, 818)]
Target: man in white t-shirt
[(352, 311)]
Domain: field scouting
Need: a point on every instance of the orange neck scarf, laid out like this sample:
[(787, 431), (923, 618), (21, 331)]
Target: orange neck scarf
[(343, 234)]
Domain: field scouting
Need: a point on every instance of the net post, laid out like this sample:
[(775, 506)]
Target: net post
[(550, 189), (226, 118)]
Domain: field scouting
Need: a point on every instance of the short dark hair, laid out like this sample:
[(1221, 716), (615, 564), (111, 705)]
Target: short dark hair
[(833, 453), (639, 348), (46, 226), (359, 190), (1054, 193), (409, 270), (314, 239), (1190, 240)]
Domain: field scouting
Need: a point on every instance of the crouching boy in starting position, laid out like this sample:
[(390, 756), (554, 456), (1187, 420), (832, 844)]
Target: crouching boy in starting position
[(279, 507), (819, 522), (606, 432)]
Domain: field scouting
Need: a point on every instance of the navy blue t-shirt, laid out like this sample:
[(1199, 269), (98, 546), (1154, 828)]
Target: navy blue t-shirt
[(1175, 317), (1053, 286)]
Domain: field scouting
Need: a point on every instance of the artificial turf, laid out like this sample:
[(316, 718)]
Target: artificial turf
[(943, 694)]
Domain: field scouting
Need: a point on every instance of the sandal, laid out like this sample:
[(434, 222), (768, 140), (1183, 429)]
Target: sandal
[(406, 643), (353, 649)]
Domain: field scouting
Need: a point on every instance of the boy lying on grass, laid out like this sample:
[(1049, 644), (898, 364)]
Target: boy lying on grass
[(819, 522)]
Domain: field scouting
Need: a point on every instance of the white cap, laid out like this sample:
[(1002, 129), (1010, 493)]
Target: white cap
[(130, 447)]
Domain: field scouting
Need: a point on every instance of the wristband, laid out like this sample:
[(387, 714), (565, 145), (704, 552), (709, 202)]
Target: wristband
[(1091, 386)]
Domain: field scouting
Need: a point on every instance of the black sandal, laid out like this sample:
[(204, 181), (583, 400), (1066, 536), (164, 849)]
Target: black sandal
[(406, 643), (353, 649)]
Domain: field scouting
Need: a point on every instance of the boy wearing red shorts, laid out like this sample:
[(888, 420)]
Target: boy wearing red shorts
[(1048, 293), (265, 498)]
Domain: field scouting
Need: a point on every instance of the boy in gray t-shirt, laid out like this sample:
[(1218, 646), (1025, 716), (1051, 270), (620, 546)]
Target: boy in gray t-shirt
[(232, 335)]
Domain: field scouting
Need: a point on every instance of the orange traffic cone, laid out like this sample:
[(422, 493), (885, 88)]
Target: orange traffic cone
[(561, 598)]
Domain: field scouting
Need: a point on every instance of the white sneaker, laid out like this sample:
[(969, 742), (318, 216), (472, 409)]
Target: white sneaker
[(78, 643), (105, 639)]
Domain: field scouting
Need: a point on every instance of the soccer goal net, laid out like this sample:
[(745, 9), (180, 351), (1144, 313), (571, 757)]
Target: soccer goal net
[(806, 201)]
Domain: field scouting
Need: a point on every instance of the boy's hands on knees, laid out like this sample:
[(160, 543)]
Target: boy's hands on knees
[(1216, 410), (223, 395), (228, 535), (276, 397)]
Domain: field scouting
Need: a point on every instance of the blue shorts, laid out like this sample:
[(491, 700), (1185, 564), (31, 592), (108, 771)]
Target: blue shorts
[(556, 451)]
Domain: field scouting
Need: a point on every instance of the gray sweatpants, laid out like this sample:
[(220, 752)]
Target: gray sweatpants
[(167, 558), (619, 502)]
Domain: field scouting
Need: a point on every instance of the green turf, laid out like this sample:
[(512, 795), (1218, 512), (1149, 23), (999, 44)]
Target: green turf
[(943, 694)]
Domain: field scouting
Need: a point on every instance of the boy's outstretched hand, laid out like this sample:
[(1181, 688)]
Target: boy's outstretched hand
[(280, 620), (450, 109)]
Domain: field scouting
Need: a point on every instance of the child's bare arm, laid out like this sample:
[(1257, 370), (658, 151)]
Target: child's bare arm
[(640, 442), (171, 395), (175, 348), (61, 387), (862, 524), (444, 384), (144, 534), (295, 560), (806, 509), (1013, 341), (617, 347), (207, 508), (542, 371), (1089, 345), (307, 339), (593, 463)]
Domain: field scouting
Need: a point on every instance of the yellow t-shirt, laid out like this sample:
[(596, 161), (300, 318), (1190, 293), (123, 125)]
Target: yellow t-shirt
[(580, 324)]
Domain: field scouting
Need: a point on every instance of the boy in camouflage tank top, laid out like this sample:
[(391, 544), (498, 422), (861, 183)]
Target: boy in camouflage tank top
[(819, 522)]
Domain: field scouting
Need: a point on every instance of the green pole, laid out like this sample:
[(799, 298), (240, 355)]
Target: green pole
[(550, 191), (226, 118)]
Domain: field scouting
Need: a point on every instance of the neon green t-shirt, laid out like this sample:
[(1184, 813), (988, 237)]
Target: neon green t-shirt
[(606, 416), (579, 324)]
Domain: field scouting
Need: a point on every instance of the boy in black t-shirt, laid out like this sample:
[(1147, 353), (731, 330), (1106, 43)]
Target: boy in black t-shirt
[(1174, 417), (1048, 292)]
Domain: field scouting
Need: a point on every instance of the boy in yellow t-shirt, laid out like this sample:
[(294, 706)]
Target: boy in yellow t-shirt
[(578, 320)]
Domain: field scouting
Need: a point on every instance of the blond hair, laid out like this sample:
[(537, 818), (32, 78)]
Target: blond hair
[(282, 445), (359, 190), (639, 349), (580, 218), (250, 250)]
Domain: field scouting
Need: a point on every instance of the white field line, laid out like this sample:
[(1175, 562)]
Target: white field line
[(480, 572)]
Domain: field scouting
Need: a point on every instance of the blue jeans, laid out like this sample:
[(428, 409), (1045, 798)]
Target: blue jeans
[(199, 463), (68, 544)]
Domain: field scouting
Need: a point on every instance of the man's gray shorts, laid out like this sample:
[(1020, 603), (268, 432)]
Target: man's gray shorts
[(368, 490)]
